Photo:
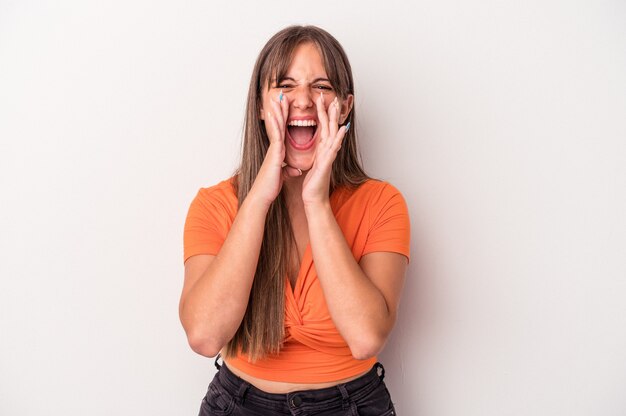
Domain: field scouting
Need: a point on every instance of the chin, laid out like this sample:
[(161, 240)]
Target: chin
[(303, 162)]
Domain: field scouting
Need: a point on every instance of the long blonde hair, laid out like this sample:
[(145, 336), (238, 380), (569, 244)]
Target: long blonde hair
[(262, 329)]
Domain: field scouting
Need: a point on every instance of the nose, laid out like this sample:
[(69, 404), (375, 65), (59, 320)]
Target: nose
[(301, 97)]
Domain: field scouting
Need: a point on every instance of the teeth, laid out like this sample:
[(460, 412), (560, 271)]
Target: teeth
[(302, 123)]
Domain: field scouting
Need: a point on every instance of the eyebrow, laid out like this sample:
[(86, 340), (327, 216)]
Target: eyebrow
[(312, 82)]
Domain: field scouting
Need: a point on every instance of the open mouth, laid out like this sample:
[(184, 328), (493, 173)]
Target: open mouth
[(302, 133)]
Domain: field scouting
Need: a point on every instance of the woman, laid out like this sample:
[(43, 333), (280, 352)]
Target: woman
[(294, 267)]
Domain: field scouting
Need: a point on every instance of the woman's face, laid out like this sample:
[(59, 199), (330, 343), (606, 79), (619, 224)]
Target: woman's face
[(302, 84)]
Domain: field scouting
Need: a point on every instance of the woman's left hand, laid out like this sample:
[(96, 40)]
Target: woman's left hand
[(316, 185)]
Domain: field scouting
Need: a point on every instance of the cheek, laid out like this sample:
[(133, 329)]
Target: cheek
[(328, 99), (264, 105)]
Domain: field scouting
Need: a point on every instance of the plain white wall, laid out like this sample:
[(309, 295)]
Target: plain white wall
[(503, 123)]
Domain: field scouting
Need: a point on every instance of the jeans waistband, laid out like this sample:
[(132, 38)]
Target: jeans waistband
[(339, 395)]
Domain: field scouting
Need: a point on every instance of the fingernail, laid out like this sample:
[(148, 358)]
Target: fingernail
[(269, 115), (347, 126), (280, 97)]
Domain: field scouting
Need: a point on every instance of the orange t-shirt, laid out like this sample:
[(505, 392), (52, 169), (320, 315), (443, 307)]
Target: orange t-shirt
[(373, 217)]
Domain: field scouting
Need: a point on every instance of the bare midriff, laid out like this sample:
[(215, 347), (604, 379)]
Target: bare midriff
[(279, 387)]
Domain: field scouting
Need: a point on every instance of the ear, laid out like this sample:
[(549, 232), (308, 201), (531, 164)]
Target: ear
[(346, 107)]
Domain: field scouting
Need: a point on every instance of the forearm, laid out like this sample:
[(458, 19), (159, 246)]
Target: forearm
[(356, 305), (213, 309)]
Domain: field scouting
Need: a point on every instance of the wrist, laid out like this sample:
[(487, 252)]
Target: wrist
[(258, 202), (313, 208), (275, 151)]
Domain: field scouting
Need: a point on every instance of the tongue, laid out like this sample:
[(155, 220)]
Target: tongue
[(301, 135)]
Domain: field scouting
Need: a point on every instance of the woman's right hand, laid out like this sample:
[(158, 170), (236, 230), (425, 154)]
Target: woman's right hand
[(269, 180)]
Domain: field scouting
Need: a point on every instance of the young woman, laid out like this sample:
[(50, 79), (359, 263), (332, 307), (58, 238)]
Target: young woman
[(294, 266)]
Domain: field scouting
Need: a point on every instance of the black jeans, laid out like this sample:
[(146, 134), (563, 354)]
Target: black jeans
[(364, 396)]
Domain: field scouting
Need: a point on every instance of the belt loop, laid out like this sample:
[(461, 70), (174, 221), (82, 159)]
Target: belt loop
[(344, 396), (217, 365), (240, 396), (381, 373), (347, 403)]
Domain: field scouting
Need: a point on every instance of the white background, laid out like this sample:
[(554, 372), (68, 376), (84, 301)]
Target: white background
[(502, 122)]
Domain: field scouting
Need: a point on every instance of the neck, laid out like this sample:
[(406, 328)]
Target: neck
[(293, 189)]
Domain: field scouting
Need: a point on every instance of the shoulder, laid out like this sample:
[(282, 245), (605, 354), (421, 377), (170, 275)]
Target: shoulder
[(379, 187), (222, 193), (381, 201), (370, 200), (374, 191), (209, 218), (223, 189), (216, 201)]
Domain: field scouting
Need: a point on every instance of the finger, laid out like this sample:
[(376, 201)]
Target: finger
[(322, 116), (341, 134), (270, 126), (278, 113), (333, 115), (284, 107)]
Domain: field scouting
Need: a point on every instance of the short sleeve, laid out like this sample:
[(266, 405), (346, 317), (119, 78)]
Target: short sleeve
[(209, 219), (390, 228)]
